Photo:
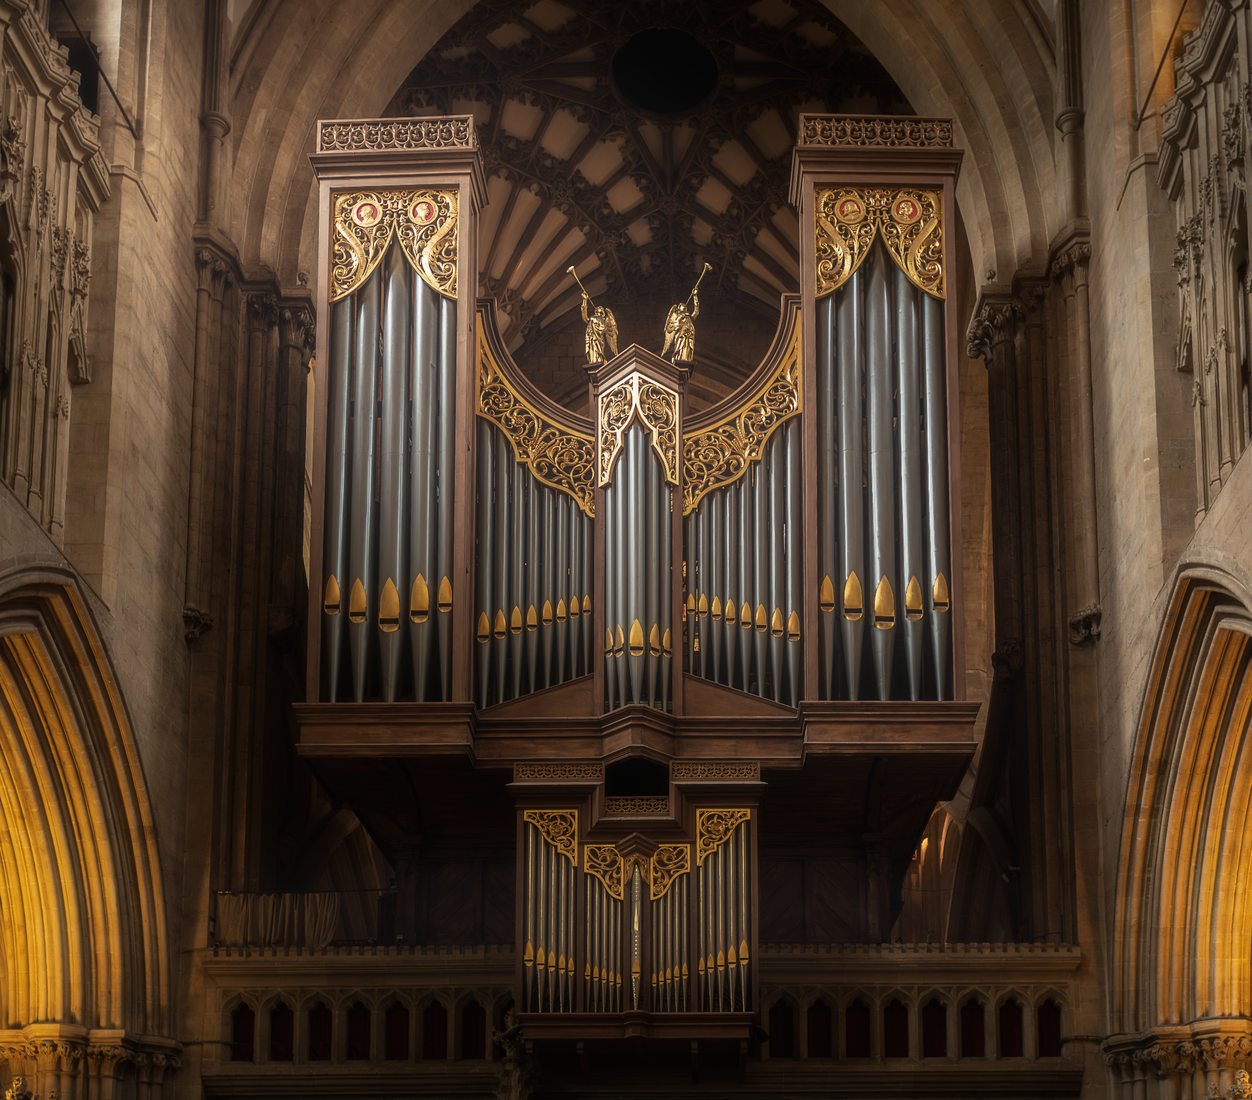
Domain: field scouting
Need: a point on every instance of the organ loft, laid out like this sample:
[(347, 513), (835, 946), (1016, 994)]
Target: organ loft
[(559, 549)]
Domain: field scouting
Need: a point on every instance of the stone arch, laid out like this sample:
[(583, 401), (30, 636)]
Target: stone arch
[(1187, 827), (949, 63), (78, 858)]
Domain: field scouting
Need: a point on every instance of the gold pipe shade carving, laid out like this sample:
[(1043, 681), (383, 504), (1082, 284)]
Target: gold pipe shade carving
[(909, 222), (425, 221), (721, 454), (669, 862), (559, 828), (604, 862), (655, 406), (714, 828), (557, 455)]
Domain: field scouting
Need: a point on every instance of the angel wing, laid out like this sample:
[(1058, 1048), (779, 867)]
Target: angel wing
[(673, 323)]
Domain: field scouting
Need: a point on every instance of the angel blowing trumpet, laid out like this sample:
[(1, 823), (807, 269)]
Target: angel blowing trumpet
[(680, 324), (601, 338)]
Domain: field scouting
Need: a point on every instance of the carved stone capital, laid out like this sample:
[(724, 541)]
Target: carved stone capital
[(196, 623), (1008, 658), (262, 310), (296, 329), (991, 328)]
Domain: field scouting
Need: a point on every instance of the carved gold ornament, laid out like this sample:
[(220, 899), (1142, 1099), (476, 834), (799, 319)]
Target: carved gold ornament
[(909, 222), (559, 828), (425, 222), (668, 862), (561, 457), (605, 863), (714, 828), (656, 407), (359, 135), (721, 454)]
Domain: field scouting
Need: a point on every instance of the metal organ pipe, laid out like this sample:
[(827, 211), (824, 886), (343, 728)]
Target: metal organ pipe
[(879, 415), (486, 554), (362, 596), (445, 488), (938, 579), (909, 434), (337, 582), (393, 490), (422, 567), (829, 486), (850, 583)]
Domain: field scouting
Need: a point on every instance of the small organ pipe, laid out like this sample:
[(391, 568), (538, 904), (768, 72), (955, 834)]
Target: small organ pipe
[(362, 596), (748, 542), (504, 597), (851, 585), (909, 428), (486, 554), (793, 562), (560, 588), (829, 486), (650, 567), (532, 493), (777, 564), (666, 599), (760, 585), (883, 588), (337, 583), (937, 585)]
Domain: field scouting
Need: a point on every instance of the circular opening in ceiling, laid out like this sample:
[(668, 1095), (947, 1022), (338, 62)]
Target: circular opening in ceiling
[(665, 71)]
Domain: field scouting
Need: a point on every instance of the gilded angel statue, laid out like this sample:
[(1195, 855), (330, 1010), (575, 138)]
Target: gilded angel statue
[(680, 324), (601, 340)]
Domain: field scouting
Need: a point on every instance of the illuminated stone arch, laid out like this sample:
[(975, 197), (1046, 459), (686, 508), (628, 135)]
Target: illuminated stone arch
[(83, 904)]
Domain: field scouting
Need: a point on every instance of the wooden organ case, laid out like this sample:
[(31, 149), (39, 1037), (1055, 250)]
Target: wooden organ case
[(663, 689)]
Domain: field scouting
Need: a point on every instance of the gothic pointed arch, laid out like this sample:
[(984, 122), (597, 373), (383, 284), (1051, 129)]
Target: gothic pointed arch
[(83, 938)]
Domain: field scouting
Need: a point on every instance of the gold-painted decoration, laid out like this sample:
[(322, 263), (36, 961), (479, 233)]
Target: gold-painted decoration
[(884, 605), (559, 828), (762, 619), (515, 620), (636, 639), (558, 455), (714, 828), (853, 598), (723, 452), (941, 599), (776, 623), (484, 627), (655, 406), (913, 600), (793, 627), (669, 861), (423, 220), (331, 596), (356, 602), (444, 599), (605, 863), (419, 600), (500, 626), (826, 594), (532, 618), (909, 221), (389, 608)]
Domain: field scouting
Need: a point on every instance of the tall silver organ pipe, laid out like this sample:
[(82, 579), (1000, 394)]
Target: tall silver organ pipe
[(393, 482), (548, 951), (335, 563), (638, 641), (422, 459), (884, 555)]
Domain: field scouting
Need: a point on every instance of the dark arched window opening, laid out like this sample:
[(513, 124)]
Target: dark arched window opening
[(473, 1030), (243, 1034), (973, 1029), (282, 1033), (856, 1030), (434, 1032), (1010, 1029), (1048, 1029), (319, 1033), (934, 1029), (782, 1030), (357, 1048), (396, 1033), (821, 1025), (895, 1030)]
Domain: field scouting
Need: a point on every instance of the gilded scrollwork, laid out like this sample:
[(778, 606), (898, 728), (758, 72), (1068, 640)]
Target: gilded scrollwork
[(657, 409), (605, 863), (909, 222), (389, 134), (669, 861), (721, 454), (559, 828), (860, 132), (559, 456), (424, 220), (714, 828)]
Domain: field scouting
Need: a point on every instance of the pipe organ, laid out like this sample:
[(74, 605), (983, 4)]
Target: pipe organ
[(761, 597)]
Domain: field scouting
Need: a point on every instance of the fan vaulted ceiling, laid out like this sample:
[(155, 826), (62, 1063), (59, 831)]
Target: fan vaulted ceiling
[(637, 142)]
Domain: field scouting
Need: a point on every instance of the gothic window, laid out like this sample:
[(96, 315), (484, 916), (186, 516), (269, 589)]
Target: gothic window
[(319, 1033), (782, 1030), (434, 1032), (1010, 1020), (821, 1024), (895, 1030), (473, 1030), (243, 1034), (856, 1030), (1048, 1029), (396, 1033), (282, 1033), (358, 1037), (973, 1029), (934, 1029)]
